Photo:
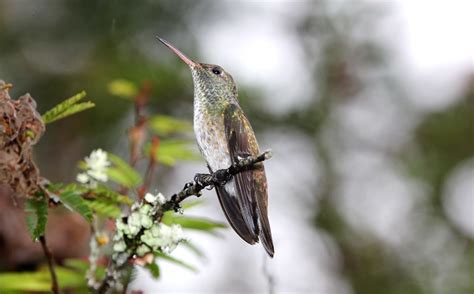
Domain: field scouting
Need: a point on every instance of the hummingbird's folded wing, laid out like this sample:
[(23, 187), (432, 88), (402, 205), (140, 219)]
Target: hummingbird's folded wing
[(233, 214), (251, 185)]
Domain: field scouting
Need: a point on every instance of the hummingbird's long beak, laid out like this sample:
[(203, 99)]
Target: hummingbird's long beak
[(179, 53)]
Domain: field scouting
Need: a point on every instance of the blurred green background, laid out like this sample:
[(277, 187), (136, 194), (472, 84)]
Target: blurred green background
[(367, 105)]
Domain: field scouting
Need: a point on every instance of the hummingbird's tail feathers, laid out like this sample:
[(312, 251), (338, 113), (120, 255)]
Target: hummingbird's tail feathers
[(244, 190), (265, 232), (233, 214)]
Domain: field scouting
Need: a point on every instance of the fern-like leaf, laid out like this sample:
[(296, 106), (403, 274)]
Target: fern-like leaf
[(36, 217), (174, 260), (104, 208), (106, 194), (122, 173), (164, 125), (193, 223), (67, 108), (74, 201), (170, 151)]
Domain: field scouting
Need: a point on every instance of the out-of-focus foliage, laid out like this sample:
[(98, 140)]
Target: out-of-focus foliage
[(122, 88), (164, 125), (444, 139), (193, 223), (173, 150), (122, 173), (40, 281), (70, 276), (154, 269), (161, 255)]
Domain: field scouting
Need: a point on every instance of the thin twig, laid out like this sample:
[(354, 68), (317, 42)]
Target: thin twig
[(52, 270), (201, 181), (268, 275), (152, 160)]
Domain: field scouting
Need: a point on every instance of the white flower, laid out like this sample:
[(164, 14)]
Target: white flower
[(177, 233), (159, 198), (82, 178), (96, 169), (150, 198), (99, 175), (120, 246), (97, 160), (97, 164)]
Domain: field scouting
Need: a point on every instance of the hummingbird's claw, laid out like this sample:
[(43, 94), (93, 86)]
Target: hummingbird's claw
[(200, 179), (221, 177), (177, 207), (188, 185)]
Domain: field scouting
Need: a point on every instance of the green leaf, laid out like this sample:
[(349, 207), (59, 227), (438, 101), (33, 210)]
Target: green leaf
[(164, 125), (24, 282), (40, 281), (106, 194), (72, 187), (36, 216), (76, 264), (67, 108), (175, 261), (105, 208), (82, 266), (154, 269), (170, 151), (196, 250), (122, 88), (191, 204), (54, 187), (122, 173), (74, 201), (192, 223)]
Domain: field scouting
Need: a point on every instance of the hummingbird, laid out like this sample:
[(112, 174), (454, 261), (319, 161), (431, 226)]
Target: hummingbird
[(224, 135)]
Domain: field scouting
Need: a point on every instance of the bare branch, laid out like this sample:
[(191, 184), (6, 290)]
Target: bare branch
[(52, 271), (217, 178), (201, 181)]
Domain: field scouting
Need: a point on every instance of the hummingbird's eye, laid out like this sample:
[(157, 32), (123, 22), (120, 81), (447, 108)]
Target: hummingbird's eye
[(217, 71)]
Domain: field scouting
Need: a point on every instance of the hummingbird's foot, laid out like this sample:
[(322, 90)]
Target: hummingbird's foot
[(188, 185), (202, 180), (220, 177), (177, 208)]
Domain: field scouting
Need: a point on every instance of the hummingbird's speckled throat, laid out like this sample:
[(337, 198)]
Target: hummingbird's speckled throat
[(223, 134)]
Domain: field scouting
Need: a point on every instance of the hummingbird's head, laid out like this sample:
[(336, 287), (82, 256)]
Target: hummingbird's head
[(207, 77), (214, 78)]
